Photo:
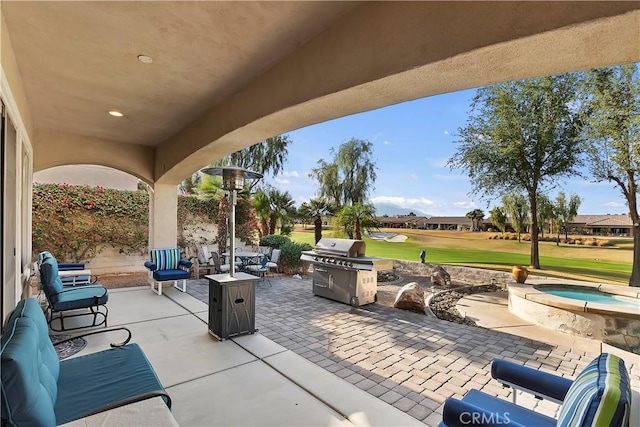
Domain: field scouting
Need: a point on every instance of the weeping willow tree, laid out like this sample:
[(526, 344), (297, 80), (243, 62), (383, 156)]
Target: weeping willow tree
[(351, 175), (612, 129), (266, 157), (515, 206)]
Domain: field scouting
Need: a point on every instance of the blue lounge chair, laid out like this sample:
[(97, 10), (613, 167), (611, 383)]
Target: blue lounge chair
[(39, 390), (599, 396), (88, 300)]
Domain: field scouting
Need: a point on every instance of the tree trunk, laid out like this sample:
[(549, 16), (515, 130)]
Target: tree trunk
[(273, 220), (535, 256), (264, 227), (318, 228), (356, 228), (634, 280)]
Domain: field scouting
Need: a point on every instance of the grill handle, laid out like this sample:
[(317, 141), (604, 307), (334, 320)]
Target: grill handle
[(324, 270)]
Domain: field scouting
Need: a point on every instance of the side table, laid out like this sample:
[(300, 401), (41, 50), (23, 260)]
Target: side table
[(232, 304)]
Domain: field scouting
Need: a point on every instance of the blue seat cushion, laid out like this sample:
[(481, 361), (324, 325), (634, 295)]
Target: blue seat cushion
[(81, 297), (90, 382), (490, 410), (29, 389), (167, 275), (65, 266), (50, 281), (599, 396), (31, 309)]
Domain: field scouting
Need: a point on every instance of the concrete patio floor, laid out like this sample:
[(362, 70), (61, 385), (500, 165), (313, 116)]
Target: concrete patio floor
[(244, 381), (319, 362)]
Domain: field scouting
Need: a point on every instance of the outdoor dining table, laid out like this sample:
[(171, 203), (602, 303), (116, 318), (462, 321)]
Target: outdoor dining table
[(247, 258)]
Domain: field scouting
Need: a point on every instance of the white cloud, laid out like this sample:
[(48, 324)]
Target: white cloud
[(614, 204), (423, 204), (386, 142), (446, 132), (292, 174), (282, 181), (377, 136), (413, 177), (465, 205)]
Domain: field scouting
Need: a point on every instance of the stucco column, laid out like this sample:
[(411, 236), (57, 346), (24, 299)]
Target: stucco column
[(163, 216)]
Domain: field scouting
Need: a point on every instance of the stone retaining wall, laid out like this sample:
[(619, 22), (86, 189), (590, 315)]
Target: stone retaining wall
[(459, 275)]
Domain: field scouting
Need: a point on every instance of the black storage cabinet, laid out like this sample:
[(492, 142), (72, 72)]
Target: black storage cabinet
[(232, 305)]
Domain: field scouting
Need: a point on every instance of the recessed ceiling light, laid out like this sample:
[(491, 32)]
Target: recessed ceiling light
[(145, 59), (115, 113)]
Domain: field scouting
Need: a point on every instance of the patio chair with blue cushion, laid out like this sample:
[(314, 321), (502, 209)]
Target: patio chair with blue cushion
[(71, 273), (599, 396), (259, 270), (88, 300), (165, 265), (273, 261)]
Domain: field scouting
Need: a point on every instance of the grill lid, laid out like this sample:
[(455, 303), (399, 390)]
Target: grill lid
[(341, 247)]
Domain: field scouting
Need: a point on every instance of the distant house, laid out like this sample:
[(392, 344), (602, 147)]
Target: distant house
[(604, 225), (458, 223), (402, 221)]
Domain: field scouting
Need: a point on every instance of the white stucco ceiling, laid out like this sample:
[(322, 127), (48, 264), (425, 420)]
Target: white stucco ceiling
[(229, 74)]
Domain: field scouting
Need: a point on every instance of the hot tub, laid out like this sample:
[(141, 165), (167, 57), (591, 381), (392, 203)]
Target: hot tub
[(607, 313)]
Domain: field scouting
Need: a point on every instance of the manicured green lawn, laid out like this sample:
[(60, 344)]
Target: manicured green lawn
[(482, 253)]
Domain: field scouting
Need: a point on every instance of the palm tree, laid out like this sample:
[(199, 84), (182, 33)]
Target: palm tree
[(262, 208), (316, 209), (282, 208), (476, 216), (355, 218)]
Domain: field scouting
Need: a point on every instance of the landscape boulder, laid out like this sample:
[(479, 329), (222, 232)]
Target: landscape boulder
[(440, 277), (411, 298)]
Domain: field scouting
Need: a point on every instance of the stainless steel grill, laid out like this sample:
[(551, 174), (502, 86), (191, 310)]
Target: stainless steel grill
[(342, 272)]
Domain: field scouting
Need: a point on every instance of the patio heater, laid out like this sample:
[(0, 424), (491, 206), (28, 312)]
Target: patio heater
[(233, 181), (232, 297)]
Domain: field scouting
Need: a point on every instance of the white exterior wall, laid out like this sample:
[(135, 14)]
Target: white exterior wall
[(16, 194), (91, 175)]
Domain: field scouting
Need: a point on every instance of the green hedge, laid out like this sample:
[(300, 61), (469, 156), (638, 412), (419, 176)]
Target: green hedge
[(275, 241), (290, 253)]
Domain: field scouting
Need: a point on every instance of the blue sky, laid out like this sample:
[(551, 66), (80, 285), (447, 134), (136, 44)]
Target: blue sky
[(412, 143)]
